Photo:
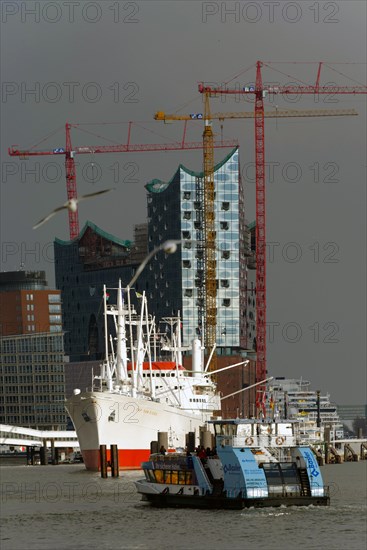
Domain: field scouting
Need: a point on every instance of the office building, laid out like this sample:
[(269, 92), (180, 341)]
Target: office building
[(32, 383)]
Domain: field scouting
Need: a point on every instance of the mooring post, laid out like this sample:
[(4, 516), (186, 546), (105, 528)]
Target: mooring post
[(43, 453), (103, 460), (53, 456), (190, 442), (114, 461)]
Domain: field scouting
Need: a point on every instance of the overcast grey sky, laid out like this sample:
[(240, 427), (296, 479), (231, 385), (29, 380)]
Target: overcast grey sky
[(118, 61)]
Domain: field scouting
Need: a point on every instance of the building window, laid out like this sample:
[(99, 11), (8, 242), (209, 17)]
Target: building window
[(225, 205), (226, 302), (226, 254), (55, 318), (54, 298), (188, 292), (224, 225), (187, 216), (187, 195), (186, 263), (224, 283), (55, 328), (186, 235)]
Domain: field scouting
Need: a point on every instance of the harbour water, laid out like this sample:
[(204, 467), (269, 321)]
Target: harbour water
[(66, 507)]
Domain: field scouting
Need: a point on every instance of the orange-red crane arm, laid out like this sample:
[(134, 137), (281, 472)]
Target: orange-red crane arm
[(123, 148)]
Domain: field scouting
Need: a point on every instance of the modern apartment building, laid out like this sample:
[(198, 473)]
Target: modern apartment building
[(27, 305)]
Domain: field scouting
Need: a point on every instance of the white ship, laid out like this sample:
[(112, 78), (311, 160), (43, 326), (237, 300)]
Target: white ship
[(137, 393), (294, 399)]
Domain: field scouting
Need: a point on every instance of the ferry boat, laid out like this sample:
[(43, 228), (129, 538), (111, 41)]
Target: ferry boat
[(255, 464), (142, 388)]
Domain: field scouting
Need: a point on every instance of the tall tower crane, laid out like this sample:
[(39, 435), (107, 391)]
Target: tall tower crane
[(259, 91), (210, 294), (69, 153)]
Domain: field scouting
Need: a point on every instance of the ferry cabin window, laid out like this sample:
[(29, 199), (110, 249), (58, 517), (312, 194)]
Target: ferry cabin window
[(225, 429), (181, 477), (289, 472), (272, 473)]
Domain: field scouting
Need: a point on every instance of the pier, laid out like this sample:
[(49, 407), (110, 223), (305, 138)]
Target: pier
[(345, 450), (31, 439)]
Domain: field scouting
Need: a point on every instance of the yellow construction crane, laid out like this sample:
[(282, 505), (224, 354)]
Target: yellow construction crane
[(209, 245), (277, 113)]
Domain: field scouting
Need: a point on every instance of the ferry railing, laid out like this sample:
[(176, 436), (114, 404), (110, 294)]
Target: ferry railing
[(261, 441)]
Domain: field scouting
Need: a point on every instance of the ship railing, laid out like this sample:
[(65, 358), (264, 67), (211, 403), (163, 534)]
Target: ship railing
[(269, 440)]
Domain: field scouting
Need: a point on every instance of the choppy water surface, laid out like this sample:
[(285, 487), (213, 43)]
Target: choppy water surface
[(66, 507)]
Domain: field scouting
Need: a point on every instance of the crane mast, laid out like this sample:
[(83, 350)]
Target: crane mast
[(70, 174), (260, 233)]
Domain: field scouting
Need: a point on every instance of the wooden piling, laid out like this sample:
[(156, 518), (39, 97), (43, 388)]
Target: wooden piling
[(114, 461), (154, 447), (162, 440), (103, 460), (43, 453), (53, 455), (190, 442)]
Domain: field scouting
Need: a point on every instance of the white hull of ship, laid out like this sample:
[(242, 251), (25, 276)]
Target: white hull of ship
[(131, 423)]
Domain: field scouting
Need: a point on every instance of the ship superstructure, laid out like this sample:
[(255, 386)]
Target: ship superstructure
[(142, 388), (294, 399)]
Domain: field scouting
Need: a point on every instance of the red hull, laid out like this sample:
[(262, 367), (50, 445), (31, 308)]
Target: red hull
[(129, 459)]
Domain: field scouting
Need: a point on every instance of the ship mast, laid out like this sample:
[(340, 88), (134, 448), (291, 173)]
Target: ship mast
[(121, 353)]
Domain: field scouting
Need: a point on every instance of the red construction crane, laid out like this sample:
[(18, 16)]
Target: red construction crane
[(259, 90), (69, 152)]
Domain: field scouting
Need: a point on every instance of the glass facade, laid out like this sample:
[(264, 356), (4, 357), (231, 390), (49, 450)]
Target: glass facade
[(32, 382), (82, 267), (176, 211)]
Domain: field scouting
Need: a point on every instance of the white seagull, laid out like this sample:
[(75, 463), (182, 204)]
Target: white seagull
[(169, 247), (72, 205)]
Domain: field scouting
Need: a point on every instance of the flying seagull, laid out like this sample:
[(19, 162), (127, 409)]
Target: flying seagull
[(169, 247), (72, 205)]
